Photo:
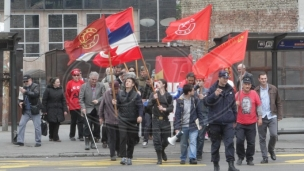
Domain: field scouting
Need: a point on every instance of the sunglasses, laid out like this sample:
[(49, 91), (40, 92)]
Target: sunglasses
[(25, 81), (76, 75)]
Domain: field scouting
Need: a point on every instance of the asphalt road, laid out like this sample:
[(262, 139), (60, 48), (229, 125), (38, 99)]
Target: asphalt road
[(285, 161)]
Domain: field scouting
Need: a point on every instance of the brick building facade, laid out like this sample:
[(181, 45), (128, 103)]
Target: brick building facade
[(237, 16)]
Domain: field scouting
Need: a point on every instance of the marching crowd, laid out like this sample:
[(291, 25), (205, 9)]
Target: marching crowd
[(124, 101)]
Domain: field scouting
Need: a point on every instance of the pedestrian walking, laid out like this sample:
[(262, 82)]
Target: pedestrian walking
[(249, 107), (221, 118), (272, 113), (54, 107), (130, 110), (160, 119), (72, 98), (90, 97), (30, 105)]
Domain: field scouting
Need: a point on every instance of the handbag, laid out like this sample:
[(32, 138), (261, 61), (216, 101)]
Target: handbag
[(35, 109), (44, 126)]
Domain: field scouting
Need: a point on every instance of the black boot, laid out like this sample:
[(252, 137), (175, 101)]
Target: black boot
[(231, 166), (216, 166), (159, 157), (87, 143), (164, 155)]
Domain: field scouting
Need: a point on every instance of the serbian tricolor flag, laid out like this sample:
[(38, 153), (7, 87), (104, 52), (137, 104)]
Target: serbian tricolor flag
[(124, 48), (194, 27), (223, 56), (92, 39), (117, 20)]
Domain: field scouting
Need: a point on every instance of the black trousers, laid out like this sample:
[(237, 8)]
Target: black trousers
[(128, 132), (53, 130), (104, 134), (161, 131), (217, 133), (248, 133), (113, 140), (93, 119), (76, 119), (147, 127), (200, 141)]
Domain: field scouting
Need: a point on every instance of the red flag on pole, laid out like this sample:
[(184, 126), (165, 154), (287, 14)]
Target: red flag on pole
[(223, 56), (117, 20), (93, 38), (194, 27)]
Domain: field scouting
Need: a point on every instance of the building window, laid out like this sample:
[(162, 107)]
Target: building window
[(27, 27), (51, 4), (62, 27), (92, 4), (34, 4), (73, 4), (18, 4)]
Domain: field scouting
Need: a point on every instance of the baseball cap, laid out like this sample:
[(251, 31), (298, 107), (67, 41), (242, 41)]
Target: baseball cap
[(75, 72), (26, 77), (224, 74), (246, 80)]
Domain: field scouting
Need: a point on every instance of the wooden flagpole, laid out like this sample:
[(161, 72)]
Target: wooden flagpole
[(112, 82), (136, 66), (150, 79)]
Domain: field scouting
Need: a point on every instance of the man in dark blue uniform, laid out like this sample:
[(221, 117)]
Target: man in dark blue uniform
[(221, 119)]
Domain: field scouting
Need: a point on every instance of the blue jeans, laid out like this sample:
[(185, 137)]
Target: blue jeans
[(22, 124), (191, 135)]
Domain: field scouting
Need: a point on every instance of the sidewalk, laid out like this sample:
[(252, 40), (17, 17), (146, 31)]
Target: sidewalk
[(287, 143)]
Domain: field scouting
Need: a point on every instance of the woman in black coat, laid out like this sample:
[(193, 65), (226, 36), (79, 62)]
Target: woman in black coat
[(54, 107)]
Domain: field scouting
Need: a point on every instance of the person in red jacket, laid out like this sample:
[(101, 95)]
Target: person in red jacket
[(72, 99)]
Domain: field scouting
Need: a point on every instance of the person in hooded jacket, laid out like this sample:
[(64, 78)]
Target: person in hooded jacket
[(54, 107)]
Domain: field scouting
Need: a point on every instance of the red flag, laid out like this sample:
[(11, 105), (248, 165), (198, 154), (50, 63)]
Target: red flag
[(92, 39), (117, 20), (159, 72), (174, 69), (194, 27), (223, 56)]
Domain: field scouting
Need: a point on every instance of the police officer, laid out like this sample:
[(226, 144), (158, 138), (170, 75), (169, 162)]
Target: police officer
[(160, 122), (221, 118)]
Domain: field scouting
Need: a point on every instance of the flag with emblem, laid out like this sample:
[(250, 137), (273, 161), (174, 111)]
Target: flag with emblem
[(194, 27), (92, 39)]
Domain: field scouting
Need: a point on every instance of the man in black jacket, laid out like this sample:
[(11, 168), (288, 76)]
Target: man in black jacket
[(30, 105), (130, 110), (221, 118), (160, 121)]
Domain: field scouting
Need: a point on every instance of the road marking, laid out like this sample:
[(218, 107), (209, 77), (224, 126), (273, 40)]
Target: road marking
[(182, 165), (290, 155), (75, 168)]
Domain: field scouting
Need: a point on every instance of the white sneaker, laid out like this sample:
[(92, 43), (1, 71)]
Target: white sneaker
[(206, 136), (145, 144), (123, 161)]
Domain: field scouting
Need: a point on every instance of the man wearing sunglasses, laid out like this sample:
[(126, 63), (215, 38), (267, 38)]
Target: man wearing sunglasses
[(30, 101)]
